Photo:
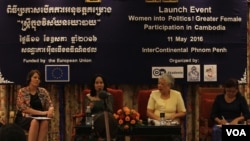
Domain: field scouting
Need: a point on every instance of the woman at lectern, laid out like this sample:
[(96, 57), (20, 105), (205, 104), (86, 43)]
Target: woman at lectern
[(33, 102), (228, 108), (166, 100)]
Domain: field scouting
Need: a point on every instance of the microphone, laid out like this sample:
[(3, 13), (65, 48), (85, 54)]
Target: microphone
[(103, 94)]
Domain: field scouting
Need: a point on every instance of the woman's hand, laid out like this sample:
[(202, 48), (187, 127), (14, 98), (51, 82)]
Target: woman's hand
[(234, 122), (172, 117), (151, 115), (223, 122), (91, 104), (50, 112)]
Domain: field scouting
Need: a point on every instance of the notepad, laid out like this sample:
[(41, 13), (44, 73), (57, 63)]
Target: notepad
[(42, 118)]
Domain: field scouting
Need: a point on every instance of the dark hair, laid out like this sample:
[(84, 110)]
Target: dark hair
[(232, 83), (92, 84), (30, 74), (12, 132)]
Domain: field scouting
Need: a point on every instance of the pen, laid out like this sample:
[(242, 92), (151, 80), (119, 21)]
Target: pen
[(223, 117)]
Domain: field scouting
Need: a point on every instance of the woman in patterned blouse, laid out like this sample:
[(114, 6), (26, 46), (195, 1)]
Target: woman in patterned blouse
[(34, 101)]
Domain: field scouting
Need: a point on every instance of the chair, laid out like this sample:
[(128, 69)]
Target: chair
[(206, 99), (142, 101), (118, 103)]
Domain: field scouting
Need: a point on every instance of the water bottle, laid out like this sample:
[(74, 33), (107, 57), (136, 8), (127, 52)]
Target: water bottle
[(162, 116), (162, 119), (92, 122), (88, 118)]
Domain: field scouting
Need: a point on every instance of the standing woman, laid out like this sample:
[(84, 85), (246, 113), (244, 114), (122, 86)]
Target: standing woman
[(34, 101)]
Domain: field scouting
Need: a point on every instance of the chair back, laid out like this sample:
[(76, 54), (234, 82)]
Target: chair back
[(142, 102), (206, 99)]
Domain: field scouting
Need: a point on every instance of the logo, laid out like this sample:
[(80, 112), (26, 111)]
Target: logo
[(235, 132), (176, 72), (57, 73)]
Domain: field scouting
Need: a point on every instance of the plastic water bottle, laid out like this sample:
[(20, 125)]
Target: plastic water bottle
[(162, 119), (92, 121), (88, 117), (162, 116)]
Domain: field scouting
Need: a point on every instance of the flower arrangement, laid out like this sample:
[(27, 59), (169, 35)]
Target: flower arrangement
[(127, 118)]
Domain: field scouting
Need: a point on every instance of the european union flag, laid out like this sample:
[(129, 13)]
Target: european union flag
[(57, 73)]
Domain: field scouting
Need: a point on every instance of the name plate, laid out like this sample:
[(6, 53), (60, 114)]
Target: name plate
[(93, 1), (161, 1), (236, 132)]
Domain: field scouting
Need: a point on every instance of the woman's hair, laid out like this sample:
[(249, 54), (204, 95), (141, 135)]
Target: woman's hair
[(168, 78), (231, 83), (92, 84), (30, 74)]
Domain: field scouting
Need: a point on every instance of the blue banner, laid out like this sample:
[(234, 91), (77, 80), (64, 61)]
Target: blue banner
[(195, 41)]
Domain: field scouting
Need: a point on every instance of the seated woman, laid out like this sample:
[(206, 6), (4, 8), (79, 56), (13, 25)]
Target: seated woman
[(99, 86), (166, 100), (33, 101), (228, 108), (99, 101)]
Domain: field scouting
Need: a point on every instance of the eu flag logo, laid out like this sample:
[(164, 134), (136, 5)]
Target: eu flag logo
[(57, 73)]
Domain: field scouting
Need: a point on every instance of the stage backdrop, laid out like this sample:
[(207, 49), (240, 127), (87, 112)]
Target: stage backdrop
[(128, 41)]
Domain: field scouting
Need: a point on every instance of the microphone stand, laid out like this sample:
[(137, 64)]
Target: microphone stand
[(106, 119)]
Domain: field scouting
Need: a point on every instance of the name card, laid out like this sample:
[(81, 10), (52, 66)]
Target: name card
[(93, 1), (161, 1), (236, 132)]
